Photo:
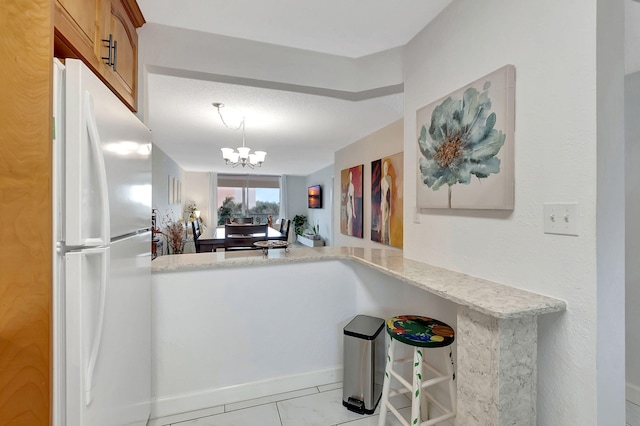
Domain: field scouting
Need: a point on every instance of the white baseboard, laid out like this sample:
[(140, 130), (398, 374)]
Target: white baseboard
[(209, 398)]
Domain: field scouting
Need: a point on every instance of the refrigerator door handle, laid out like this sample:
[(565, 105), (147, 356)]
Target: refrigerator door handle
[(97, 338), (77, 285), (94, 141), (76, 181)]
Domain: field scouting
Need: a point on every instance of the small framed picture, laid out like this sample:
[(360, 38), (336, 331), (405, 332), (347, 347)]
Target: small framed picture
[(170, 190)]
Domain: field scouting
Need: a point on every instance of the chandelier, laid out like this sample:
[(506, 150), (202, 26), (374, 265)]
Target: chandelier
[(242, 157)]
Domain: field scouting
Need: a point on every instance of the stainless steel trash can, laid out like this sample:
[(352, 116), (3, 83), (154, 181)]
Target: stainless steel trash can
[(364, 364)]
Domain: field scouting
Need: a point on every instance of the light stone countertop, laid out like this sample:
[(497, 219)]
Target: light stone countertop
[(490, 298)]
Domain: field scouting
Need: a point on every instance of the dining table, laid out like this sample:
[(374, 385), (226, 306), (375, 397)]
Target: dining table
[(213, 238)]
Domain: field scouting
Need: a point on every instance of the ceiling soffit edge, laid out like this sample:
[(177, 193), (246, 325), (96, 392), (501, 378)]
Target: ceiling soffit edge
[(227, 58), (274, 85)]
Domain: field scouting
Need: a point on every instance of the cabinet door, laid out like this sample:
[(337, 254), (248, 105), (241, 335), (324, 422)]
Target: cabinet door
[(122, 75), (77, 32)]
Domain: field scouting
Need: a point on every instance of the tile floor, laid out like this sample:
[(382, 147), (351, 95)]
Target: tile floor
[(316, 406)]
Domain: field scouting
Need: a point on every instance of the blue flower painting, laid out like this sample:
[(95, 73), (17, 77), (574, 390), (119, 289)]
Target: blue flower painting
[(461, 140)]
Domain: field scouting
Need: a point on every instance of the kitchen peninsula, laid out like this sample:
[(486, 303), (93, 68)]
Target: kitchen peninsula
[(496, 325)]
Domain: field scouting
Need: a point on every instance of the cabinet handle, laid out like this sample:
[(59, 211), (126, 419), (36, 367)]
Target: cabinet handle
[(115, 55), (109, 42)]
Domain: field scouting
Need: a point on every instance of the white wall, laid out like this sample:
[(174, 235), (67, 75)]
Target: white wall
[(296, 196), (163, 167), (323, 217), (382, 143), (552, 45), (196, 189), (610, 218), (632, 125), (632, 210)]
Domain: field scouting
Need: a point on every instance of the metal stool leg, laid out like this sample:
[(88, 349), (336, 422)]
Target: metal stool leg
[(384, 399)]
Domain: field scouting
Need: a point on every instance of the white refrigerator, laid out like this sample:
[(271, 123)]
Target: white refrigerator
[(102, 252)]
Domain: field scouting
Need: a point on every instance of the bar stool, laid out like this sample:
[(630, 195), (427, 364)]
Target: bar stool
[(420, 333)]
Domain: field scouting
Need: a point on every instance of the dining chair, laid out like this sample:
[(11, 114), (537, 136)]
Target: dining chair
[(243, 220), (284, 230), (195, 227), (242, 237)]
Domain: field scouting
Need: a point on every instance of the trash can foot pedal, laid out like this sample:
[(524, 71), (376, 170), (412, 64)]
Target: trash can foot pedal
[(357, 406)]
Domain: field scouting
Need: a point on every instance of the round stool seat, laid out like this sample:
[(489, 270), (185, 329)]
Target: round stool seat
[(420, 331)]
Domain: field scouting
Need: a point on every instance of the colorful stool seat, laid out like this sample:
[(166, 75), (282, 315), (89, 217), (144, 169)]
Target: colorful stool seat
[(420, 333)]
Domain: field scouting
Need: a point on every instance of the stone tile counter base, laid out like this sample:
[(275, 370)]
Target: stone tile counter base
[(496, 370)]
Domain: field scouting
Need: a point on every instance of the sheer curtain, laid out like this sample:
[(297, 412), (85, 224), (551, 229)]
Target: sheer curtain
[(284, 190), (213, 200)]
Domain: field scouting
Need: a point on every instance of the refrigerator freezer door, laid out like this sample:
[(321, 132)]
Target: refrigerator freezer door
[(57, 224), (119, 173), (108, 333)]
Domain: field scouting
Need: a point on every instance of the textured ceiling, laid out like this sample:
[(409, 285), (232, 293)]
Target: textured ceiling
[(300, 132), (350, 28)]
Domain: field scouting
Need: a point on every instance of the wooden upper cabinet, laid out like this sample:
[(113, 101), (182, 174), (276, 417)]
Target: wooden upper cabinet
[(103, 34), (76, 29), (119, 25)]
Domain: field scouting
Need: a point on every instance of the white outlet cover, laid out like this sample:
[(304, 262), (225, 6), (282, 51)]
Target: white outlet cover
[(560, 218)]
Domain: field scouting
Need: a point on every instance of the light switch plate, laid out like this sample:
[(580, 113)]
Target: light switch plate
[(561, 218)]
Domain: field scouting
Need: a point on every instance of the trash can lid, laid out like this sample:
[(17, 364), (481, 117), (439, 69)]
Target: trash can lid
[(364, 327)]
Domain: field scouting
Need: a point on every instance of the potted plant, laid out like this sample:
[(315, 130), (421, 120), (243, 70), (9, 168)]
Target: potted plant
[(313, 232), (190, 211), (298, 222), (173, 232)]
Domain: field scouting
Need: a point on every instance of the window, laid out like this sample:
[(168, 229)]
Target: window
[(248, 196)]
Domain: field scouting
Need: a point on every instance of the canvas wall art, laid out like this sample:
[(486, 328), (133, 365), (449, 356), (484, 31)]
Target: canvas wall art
[(171, 196), (466, 146), (351, 201), (386, 200)]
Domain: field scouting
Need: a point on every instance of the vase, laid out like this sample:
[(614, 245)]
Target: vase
[(177, 249)]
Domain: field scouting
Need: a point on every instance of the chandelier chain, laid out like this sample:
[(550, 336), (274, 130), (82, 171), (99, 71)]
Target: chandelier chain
[(240, 126)]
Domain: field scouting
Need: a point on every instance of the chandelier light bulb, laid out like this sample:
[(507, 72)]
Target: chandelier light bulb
[(244, 152)]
